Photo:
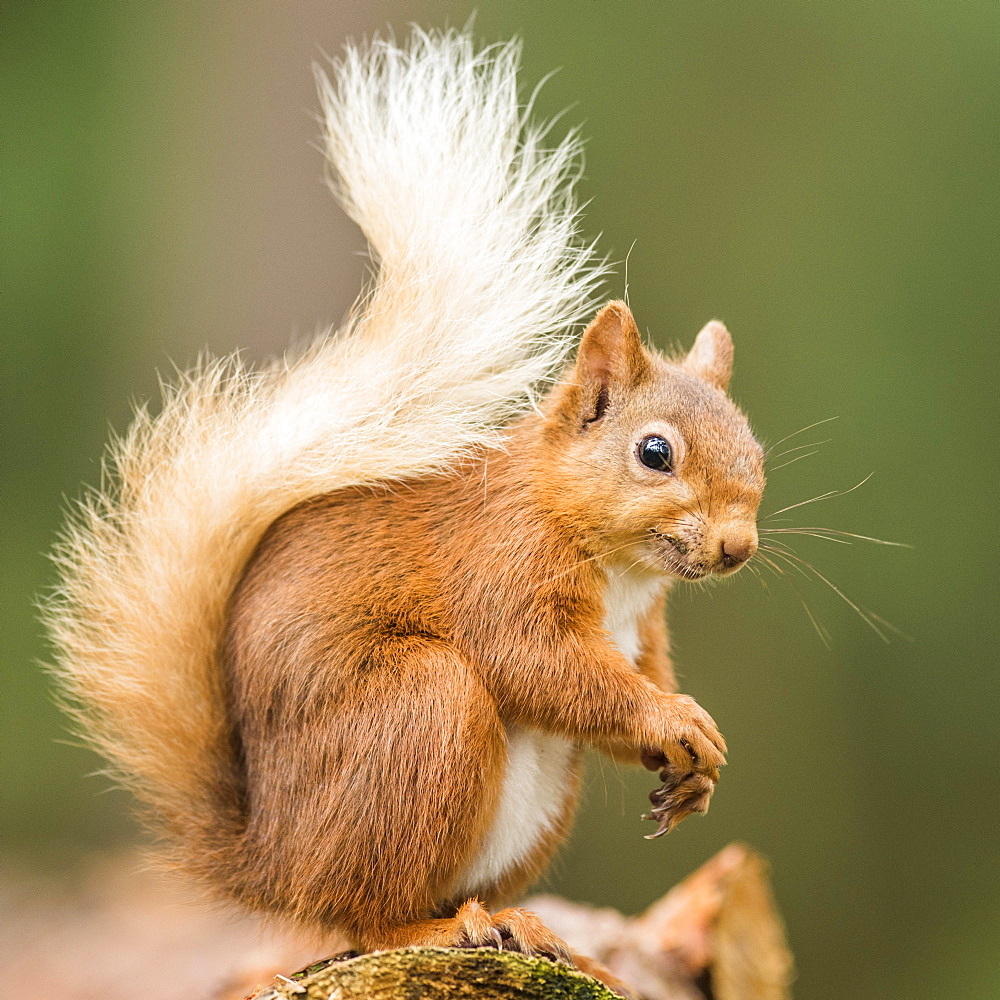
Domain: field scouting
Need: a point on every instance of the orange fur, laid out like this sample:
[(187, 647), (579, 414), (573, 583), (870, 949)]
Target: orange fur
[(384, 640)]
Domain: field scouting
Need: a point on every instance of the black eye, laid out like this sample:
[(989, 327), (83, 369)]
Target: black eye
[(655, 453)]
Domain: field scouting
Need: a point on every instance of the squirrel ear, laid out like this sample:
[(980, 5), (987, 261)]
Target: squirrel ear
[(711, 357), (610, 354)]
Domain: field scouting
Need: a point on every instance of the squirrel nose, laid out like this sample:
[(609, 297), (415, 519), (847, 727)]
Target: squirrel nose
[(737, 549)]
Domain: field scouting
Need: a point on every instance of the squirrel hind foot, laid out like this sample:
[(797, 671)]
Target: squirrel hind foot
[(473, 926)]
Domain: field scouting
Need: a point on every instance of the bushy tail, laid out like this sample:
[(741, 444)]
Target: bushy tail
[(472, 224)]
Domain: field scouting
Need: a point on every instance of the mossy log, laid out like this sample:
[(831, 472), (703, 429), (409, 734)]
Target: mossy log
[(715, 936), (445, 973)]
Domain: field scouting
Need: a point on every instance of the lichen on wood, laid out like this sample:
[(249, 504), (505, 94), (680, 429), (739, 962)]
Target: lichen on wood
[(442, 973)]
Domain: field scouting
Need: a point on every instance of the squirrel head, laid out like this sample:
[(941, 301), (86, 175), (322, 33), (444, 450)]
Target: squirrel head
[(648, 457)]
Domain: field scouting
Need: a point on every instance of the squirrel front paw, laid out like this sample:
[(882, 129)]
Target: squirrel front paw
[(688, 757)]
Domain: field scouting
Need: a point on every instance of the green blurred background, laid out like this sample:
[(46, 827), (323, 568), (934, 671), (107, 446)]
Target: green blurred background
[(821, 175)]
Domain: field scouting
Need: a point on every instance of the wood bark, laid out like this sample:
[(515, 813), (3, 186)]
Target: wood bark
[(715, 936)]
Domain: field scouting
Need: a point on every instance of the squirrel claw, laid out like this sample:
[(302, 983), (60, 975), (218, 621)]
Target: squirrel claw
[(511, 929), (678, 797)]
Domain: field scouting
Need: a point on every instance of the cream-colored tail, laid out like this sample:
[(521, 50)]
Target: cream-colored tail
[(480, 279)]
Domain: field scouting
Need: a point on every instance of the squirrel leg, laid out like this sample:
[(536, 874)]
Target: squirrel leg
[(368, 801), (653, 662)]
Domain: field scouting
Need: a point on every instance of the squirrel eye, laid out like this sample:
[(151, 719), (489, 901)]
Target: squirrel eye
[(655, 453)]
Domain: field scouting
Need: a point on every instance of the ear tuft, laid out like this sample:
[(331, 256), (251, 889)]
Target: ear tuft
[(610, 362), (611, 349), (711, 357)]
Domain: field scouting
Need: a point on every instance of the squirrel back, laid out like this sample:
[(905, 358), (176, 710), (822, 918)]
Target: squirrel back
[(480, 279)]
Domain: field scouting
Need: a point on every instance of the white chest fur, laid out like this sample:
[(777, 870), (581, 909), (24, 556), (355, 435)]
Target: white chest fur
[(537, 778), (627, 600), (539, 766)]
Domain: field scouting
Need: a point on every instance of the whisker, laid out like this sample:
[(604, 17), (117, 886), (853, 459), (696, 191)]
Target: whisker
[(758, 572), (835, 531), (891, 627), (666, 520), (755, 570), (801, 430), (697, 515), (786, 552), (778, 571), (824, 635), (777, 545), (792, 461), (628, 569), (583, 562), (821, 631), (866, 618), (822, 496), (799, 447), (796, 531), (789, 554)]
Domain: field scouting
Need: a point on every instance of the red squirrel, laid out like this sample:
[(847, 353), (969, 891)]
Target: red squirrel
[(344, 625)]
